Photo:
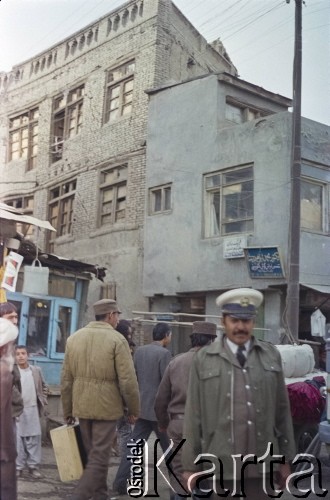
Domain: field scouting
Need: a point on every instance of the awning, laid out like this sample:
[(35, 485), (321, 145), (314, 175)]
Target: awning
[(10, 213), (318, 288), (28, 250)]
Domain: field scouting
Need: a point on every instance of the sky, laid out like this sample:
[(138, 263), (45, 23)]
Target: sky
[(257, 34)]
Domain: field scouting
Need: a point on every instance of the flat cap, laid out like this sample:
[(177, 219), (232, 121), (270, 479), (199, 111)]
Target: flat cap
[(105, 306), (241, 303), (205, 327), (8, 331)]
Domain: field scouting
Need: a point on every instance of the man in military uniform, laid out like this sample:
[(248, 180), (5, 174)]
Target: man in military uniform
[(237, 404)]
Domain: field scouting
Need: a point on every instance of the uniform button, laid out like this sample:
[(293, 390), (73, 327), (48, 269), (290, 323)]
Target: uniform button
[(229, 440), (259, 433), (285, 440), (257, 410), (228, 417), (228, 394), (256, 387), (247, 387), (272, 368), (249, 403), (249, 422), (244, 370), (229, 373)]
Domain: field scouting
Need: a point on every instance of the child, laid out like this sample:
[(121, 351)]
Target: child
[(34, 393)]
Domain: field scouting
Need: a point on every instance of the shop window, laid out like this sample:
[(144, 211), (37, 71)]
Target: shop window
[(63, 328), (38, 326)]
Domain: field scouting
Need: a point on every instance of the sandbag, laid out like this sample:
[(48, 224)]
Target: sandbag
[(297, 360)]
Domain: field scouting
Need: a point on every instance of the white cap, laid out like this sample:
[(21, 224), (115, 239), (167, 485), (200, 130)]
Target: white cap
[(240, 303), (8, 331)]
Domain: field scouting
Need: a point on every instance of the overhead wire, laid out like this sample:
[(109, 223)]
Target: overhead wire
[(222, 12), (253, 21)]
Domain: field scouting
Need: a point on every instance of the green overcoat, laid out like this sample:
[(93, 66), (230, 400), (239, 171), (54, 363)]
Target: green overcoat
[(209, 424)]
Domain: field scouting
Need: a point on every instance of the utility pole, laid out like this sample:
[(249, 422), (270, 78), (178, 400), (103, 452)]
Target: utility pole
[(292, 298)]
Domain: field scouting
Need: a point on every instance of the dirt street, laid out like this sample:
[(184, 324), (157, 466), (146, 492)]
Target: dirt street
[(49, 487)]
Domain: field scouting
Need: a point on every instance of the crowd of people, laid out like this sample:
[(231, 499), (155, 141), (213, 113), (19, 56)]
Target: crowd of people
[(224, 398)]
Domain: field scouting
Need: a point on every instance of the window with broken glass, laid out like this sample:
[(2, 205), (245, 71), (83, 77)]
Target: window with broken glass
[(228, 202), (113, 195), (67, 119), (119, 92), (61, 201), (25, 205), (23, 137), (313, 213)]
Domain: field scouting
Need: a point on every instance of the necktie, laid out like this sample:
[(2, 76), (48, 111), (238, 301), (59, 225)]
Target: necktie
[(240, 355)]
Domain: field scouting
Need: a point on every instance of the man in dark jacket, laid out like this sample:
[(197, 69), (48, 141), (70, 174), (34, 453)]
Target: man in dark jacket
[(150, 362), (172, 393)]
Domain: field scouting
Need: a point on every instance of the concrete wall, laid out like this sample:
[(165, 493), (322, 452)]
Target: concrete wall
[(178, 259)]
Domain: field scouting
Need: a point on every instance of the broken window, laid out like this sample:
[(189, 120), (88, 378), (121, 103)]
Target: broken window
[(67, 119), (311, 205), (113, 193), (25, 205), (61, 199), (228, 202), (119, 92), (23, 137)]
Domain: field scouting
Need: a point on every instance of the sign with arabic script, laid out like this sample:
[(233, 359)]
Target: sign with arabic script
[(264, 262), (233, 248)]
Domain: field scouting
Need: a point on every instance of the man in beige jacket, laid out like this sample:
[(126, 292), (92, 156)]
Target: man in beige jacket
[(98, 379)]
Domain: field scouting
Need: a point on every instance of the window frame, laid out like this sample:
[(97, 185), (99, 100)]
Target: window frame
[(115, 186), (63, 220), (31, 138), (67, 109), (126, 76), (151, 197), (218, 218), (324, 209), (248, 112), (24, 207)]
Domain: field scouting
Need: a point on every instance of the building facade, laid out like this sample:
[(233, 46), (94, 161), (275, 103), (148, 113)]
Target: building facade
[(218, 214), (73, 126)]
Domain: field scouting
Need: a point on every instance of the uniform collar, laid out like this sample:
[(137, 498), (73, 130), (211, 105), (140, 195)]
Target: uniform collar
[(233, 347)]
